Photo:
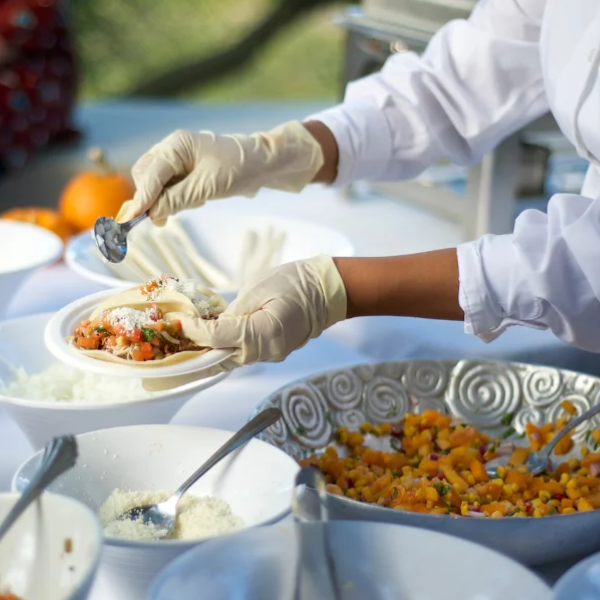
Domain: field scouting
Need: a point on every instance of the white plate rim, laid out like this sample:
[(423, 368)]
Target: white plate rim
[(56, 344), (563, 588)]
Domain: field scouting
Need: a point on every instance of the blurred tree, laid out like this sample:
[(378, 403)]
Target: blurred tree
[(218, 49)]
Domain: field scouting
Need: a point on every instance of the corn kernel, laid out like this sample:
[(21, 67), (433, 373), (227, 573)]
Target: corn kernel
[(470, 479), (501, 472), (572, 483), (545, 495), (554, 503), (573, 463), (573, 493), (464, 508), (496, 515), (568, 511), (536, 503), (366, 427), (538, 513), (499, 482), (584, 451), (564, 478)]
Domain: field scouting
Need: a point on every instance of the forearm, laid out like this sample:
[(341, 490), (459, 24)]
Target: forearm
[(416, 285), (329, 146)]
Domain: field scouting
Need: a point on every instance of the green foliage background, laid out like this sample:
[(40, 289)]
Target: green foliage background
[(122, 43)]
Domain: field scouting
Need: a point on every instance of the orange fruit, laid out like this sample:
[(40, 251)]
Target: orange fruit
[(95, 193), (42, 217)]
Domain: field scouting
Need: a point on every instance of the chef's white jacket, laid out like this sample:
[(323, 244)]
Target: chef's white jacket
[(480, 80)]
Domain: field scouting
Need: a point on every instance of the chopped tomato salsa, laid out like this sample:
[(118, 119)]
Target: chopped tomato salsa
[(138, 335)]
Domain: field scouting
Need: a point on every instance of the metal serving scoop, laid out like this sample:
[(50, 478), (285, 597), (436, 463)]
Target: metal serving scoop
[(163, 516), (59, 456), (539, 461), (316, 575), (111, 237)]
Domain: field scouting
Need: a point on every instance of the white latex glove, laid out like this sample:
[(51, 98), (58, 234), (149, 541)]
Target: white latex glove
[(275, 315), (186, 168)]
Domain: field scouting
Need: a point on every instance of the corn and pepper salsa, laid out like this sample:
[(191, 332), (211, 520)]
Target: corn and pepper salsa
[(437, 466)]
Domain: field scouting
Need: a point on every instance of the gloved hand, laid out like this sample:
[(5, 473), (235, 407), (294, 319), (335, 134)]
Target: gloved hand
[(186, 169), (275, 315)]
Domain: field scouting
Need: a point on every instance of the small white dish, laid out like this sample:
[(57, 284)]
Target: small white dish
[(580, 582), (378, 561), (63, 324), (52, 552), (25, 248), (218, 234), (41, 420), (256, 482)]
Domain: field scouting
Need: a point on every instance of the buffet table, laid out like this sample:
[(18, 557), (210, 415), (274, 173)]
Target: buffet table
[(376, 226)]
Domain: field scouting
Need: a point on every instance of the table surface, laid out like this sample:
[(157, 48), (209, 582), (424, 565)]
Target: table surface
[(377, 226)]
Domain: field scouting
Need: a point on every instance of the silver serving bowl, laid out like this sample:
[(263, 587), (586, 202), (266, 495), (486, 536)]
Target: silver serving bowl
[(475, 391)]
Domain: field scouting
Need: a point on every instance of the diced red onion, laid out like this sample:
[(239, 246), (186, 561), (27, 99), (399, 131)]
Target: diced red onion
[(595, 469)]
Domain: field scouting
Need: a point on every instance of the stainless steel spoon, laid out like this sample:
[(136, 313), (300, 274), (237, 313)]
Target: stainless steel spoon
[(316, 575), (163, 516), (539, 461), (59, 456), (111, 237)]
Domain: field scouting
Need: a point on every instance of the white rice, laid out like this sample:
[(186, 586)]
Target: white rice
[(60, 383), (197, 516)]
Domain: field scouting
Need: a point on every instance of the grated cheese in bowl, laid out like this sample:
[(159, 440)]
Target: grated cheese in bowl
[(197, 516), (60, 383)]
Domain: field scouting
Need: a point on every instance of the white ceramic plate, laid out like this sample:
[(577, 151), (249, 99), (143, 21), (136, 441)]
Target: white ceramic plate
[(581, 582), (64, 322), (218, 235), (378, 561)]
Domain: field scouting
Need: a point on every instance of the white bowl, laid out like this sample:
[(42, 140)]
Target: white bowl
[(62, 325), (22, 343), (219, 239), (24, 248), (257, 483), (580, 582), (372, 560), (33, 562)]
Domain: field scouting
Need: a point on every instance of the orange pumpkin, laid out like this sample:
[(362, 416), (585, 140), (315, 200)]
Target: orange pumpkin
[(93, 194), (43, 217)]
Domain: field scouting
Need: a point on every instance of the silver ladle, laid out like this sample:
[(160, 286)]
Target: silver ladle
[(540, 461), (163, 516), (59, 456), (111, 237)]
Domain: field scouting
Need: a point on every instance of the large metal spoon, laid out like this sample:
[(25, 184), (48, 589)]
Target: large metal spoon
[(163, 516), (111, 237), (316, 575), (59, 456), (540, 461)]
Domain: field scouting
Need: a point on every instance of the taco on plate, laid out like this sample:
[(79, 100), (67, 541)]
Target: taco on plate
[(134, 327)]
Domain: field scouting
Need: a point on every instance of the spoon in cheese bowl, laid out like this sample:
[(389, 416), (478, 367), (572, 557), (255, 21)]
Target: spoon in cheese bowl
[(163, 516)]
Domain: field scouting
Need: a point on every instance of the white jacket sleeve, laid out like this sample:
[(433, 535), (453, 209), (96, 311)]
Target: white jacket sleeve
[(545, 275), (478, 81)]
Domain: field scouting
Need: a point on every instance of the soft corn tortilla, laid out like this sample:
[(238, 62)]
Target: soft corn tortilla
[(170, 301)]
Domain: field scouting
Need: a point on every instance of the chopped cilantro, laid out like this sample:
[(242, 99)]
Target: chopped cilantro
[(446, 410), (148, 334), (393, 411), (442, 489), (101, 330), (396, 444), (492, 448), (588, 436), (507, 418), (395, 493), (510, 431), (301, 431), (329, 418)]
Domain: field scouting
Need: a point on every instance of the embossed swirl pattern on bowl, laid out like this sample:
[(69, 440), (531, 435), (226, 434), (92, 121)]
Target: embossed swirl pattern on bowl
[(475, 391)]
